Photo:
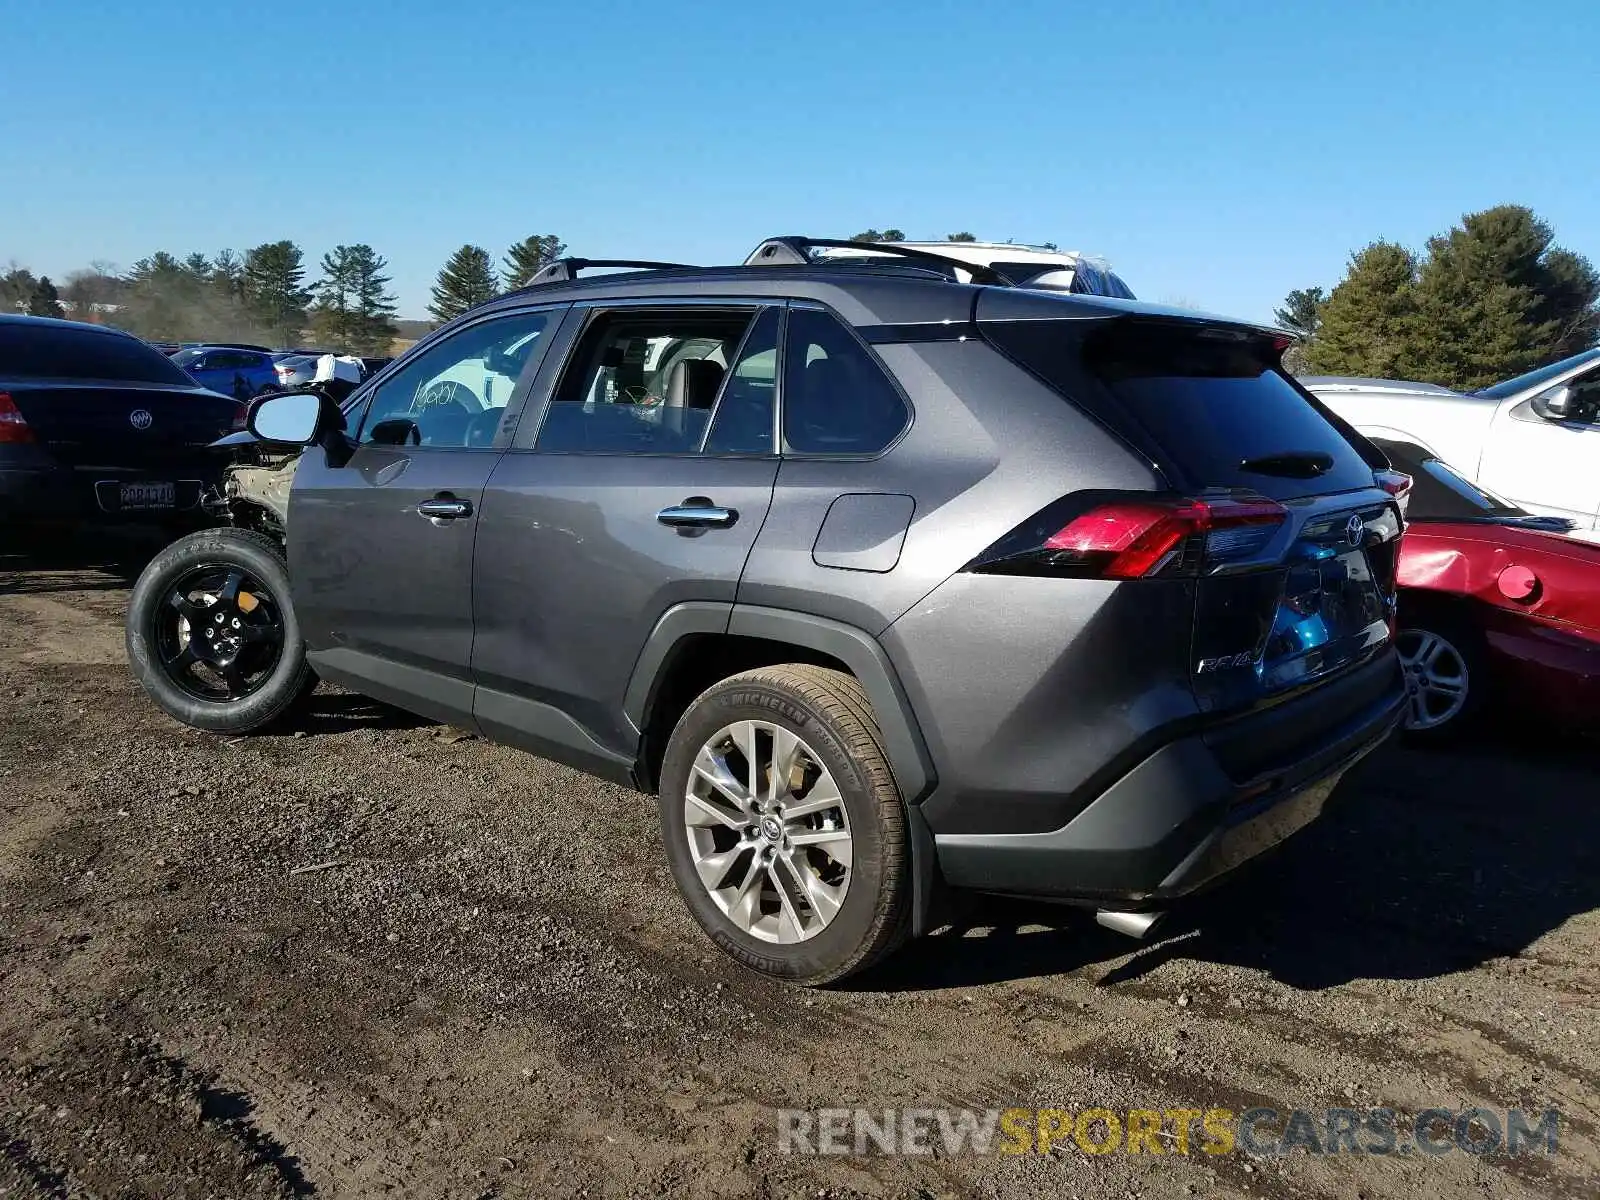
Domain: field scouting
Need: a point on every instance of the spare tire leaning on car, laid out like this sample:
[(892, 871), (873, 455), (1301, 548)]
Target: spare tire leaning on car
[(212, 636)]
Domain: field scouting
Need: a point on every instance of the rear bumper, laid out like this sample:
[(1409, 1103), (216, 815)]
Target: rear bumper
[(1539, 662), (1178, 820), (40, 493)]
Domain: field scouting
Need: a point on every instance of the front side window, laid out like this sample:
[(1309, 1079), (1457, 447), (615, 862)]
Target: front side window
[(836, 397), (455, 392), (650, 382)]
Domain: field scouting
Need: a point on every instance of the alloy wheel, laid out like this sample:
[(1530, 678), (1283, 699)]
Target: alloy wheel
[(769, 834), (220, 634), (1436, 678)]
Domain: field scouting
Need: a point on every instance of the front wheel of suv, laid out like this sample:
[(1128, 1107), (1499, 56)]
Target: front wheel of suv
[(783, 826)]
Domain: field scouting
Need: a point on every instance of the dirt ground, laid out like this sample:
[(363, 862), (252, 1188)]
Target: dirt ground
[(361, 958)]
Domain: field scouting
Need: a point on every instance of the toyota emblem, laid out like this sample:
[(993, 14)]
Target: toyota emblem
[(140, 418), (1355, 530)]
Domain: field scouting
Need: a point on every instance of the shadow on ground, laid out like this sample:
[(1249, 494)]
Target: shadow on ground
[(1425, 863), (38, 562), (332, 711)]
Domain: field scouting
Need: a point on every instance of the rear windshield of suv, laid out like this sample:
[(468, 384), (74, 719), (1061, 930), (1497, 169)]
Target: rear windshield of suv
[(1212, 405), (62, 352)]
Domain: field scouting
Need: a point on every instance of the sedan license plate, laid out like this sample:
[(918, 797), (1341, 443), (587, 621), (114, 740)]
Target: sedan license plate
[(148, 495)]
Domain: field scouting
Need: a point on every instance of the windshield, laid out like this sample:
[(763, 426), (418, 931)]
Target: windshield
[(1534, 378)]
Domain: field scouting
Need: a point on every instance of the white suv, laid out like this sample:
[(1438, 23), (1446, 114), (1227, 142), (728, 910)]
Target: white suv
[(1534, 439), (1025, 266)]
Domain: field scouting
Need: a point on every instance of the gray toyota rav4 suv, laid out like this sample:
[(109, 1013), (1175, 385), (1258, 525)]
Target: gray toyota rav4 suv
[(883, 582)]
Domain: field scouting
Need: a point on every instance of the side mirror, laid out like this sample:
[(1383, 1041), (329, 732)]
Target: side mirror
[(1558, 404), (287, 418)]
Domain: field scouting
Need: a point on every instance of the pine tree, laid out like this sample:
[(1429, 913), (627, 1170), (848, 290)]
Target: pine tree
[(354, 311), (16, 288), (1369, 324), (45, 302), (274, 284), (1301, 311), (465, 281), (375, 304), (1497, 298), (524, 260)]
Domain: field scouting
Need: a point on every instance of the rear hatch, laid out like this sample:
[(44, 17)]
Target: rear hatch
[(1274, 509)]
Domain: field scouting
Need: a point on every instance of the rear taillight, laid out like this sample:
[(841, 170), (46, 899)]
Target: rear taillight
[(1135, 537), (13, 425), (1397, 484), (241, 418)]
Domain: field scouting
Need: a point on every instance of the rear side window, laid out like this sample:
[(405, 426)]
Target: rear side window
[(836, 397), (1208, 403), (62, 352), (649, 381)]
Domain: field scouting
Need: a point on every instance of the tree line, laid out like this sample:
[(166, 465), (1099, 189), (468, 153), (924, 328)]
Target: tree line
[(265, 294), (1491, 298), (261, 295)]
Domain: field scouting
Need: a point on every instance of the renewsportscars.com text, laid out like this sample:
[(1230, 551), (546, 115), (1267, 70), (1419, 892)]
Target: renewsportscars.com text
[(1259, 1132)]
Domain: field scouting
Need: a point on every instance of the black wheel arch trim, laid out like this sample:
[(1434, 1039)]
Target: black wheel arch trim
[(867, 660), (858, 650)]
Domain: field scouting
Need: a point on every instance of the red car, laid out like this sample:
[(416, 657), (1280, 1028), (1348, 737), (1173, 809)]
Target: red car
[(1496, 604)]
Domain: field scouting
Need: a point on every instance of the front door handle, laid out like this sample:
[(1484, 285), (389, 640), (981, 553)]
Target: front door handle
[(697, 512), (445, 508)]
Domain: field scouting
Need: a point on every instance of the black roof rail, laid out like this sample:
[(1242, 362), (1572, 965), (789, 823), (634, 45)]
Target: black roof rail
[(564, 269), (792, 250)]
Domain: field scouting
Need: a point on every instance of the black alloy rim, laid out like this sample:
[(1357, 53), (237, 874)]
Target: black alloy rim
[(219, 633)]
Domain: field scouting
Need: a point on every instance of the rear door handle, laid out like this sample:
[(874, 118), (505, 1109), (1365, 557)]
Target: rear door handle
[(445, 508), (697, 513)]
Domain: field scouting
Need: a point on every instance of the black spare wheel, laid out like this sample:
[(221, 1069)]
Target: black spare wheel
[(212, 636)]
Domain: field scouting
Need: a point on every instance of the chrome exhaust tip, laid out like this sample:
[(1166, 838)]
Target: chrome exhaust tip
[(1133, 924)]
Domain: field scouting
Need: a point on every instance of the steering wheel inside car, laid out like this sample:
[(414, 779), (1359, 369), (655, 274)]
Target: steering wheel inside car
[(483, 426)]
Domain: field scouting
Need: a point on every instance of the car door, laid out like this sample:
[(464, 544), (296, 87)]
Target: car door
[(1546, 463), (638, 488), (380, 546)]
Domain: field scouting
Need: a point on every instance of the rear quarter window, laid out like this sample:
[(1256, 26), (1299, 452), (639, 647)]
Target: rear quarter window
[(57, 352), (836, 397)]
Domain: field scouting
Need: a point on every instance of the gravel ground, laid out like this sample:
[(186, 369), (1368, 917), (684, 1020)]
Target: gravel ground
[(365, 957)]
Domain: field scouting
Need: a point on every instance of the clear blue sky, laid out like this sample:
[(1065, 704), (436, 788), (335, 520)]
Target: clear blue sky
[(1216, 153)]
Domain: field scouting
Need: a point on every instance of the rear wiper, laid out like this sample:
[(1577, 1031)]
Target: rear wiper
[(1291, 464)]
